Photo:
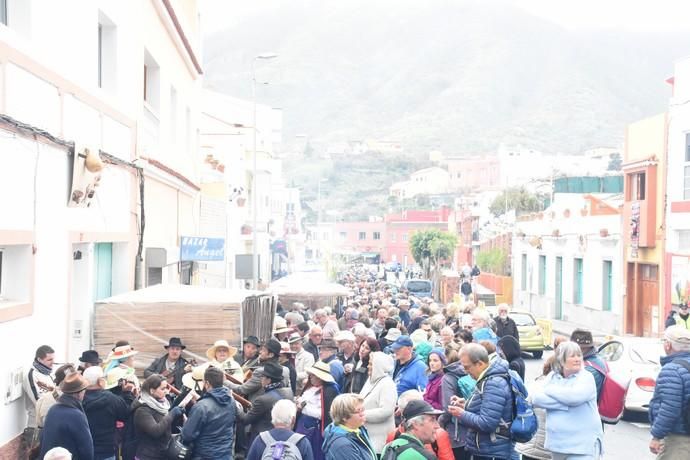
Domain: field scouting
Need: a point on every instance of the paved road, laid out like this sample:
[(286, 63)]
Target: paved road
[(628, 440)]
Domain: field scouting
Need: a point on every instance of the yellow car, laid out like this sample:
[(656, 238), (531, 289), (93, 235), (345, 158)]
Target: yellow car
[(535, 334)]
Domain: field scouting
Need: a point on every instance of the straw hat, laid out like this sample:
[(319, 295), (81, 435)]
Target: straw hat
[(211, 352), (114, 375), (280, 325), (124, 351), (294, 337), (195, 379), (322, 371), (285, 349)]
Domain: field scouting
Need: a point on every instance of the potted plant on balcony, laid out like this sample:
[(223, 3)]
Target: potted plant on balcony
[(604, 232), (241, 201), (246, 229), (556, 233)]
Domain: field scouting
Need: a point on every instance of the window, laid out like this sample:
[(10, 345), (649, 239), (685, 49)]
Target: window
[(686, 183), (607, 284), (188, 130), (3, 11), (151, 82), (683, 240), (393, 237), (404, 236), (377, 235), (343, 235), (1, 274), (687, 147), (577, 281), (325, 236), (173, 114), (362, 235), (523, 273), (542, 275), (107, 53), (637, 186)]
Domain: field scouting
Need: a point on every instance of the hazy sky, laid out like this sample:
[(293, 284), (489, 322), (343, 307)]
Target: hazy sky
[(647, 15)]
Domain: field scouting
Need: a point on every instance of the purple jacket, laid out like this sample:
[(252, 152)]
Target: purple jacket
[(432, 394)]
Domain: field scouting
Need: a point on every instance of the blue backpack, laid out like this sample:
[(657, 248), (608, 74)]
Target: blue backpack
[(524, 423)]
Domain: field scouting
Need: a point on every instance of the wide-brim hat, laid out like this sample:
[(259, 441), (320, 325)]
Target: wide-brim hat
[(273, 371), (273, 346), (294, 337), (125, 351), (285, 349), (175, 342), (328, 344), (74, 383), (393, 334), (344, 336), (114, 375), (90, 357), (280, 325), (322, 371), (195, 378), (211, 352)]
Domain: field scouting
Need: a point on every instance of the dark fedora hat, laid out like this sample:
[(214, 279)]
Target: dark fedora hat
[(175, 342), (273, 346), (273, 371), (90, 357), (254, 340)]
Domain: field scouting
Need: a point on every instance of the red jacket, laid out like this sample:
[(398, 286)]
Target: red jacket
[(432, 393)]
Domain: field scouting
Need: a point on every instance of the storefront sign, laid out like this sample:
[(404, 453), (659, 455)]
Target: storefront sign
[(194, 248)]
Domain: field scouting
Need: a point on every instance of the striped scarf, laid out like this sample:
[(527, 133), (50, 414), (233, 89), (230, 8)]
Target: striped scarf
[(45, 370)]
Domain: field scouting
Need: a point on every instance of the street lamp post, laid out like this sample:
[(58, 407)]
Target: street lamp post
[(255, 182)]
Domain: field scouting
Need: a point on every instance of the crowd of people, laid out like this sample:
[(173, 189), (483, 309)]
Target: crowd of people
[(385, 376)]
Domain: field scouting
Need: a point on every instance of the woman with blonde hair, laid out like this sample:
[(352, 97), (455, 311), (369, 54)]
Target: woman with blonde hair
[(347, 437)]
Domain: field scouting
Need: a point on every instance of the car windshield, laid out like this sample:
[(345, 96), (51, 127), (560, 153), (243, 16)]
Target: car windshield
[(646, 352), (522, 319), (419, 286)]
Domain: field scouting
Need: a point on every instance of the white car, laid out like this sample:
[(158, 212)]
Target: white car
[(635, 359)]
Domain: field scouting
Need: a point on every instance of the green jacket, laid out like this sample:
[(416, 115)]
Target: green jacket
[(407, 447)]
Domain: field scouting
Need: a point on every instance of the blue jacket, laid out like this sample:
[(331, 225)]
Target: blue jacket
[(671, 397), (66, 426), (280, 434), (411, 375), (339, 444), (337, 370), (572, 418), (489, 408), (594, 358), (211, 425)]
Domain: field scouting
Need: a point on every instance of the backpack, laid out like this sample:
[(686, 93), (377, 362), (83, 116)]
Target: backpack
[(466, 386), (524, 422), (686, 411), (611, 403), (392, 452), (281, 450)]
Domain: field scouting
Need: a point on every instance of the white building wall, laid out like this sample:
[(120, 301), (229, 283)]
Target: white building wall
[(579, 238), (49, 76), (678, 223)]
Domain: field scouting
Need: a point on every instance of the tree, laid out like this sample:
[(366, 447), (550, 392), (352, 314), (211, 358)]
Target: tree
[(518, 199), (615, 162), (430, 247), (492, 261)]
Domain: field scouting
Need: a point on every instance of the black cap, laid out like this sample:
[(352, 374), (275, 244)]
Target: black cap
[(90, 357), (273, 346), (273, 371), (254, 340), (582, 337), (418, 407), (175, 342)]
